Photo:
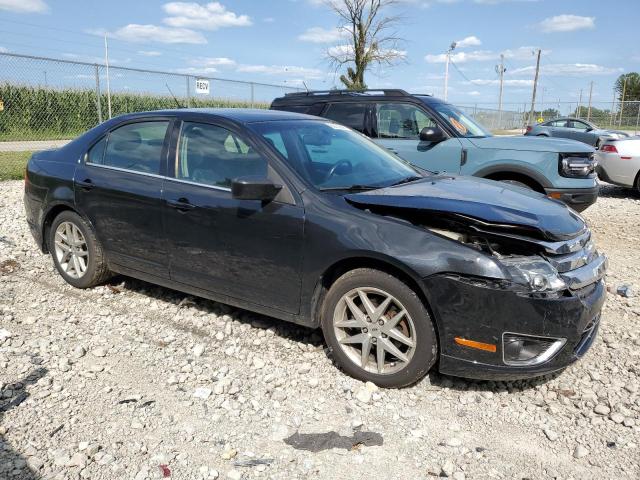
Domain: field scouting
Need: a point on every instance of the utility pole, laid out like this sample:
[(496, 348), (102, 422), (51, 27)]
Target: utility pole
[(579, 104), (106, 61), (535, 85), (590, 96), (446, 69), (500, 69), (624, 92)]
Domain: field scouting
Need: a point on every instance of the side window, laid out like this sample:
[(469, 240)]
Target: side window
[(349, 114), (398, 120), (276, 140), (559, 123), (96, 153), (137, 147), (213, 155)]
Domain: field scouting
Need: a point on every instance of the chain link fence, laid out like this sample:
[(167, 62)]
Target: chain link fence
[(44, 102)]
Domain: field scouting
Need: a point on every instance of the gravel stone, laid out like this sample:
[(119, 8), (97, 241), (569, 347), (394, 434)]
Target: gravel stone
[(67, 413)]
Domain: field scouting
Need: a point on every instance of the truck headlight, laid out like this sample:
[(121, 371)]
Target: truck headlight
[(575, 167), (535, 273)]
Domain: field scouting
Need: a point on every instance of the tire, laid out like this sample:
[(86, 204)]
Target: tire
[(76, 239), (517, 183), (390, 331)]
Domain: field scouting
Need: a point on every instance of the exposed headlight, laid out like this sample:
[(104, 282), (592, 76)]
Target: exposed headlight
[(534, 273), (577, 166)]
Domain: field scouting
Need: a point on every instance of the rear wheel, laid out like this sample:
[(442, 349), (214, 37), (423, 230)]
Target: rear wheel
[(378, 329), (77, 253)]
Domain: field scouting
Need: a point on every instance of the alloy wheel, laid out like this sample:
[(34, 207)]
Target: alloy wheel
[(71, 250), (374, 330)]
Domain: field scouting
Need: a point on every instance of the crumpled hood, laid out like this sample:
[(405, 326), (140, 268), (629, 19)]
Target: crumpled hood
[(532, 144), (487, 201)]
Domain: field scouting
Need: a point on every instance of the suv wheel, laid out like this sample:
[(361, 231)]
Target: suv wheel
[(76, 252), (378, 329)]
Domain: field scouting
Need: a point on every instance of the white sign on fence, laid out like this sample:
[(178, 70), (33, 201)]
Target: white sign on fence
[(202, 86)]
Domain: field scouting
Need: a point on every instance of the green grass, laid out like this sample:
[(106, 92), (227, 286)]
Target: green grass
[(12, 165)]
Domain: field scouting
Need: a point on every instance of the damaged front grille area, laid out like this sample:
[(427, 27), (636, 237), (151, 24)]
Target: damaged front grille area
[(581, 266)]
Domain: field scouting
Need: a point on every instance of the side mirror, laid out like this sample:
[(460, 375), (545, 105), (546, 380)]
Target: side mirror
[(432, 134), (254, 188), (589, 129)]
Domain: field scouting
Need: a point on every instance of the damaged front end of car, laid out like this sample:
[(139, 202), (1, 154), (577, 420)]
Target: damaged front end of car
[(539, 316)]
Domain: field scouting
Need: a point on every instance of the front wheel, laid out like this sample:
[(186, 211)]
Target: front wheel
[(378, 329), (77, 253)]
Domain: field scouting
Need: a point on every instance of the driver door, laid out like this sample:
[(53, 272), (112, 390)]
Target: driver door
[(579, 131), (398, 130)]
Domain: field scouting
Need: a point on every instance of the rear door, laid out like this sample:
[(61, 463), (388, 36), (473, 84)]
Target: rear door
[(244, 249), (118, 188), (398, 127)]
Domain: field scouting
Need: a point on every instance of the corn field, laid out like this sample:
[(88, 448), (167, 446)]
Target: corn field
[(36, 113)]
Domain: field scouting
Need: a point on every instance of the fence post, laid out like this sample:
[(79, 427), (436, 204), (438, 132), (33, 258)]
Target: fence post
[(188, 78), (252, 94), (98, 101), (637, 118)]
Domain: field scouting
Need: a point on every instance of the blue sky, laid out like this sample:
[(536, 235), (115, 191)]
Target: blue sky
[(285, 42)]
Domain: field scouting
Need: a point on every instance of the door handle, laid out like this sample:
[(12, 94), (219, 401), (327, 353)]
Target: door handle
[(86, 184), (182, 204)]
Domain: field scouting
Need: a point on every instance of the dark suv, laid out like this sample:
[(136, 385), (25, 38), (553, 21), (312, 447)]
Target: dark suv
[(437, 136), (308, 221)]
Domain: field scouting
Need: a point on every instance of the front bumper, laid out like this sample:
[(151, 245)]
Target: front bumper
[(483, 310), (577, 198)]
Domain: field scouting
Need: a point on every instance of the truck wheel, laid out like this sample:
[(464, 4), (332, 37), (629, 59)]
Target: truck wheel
[(378, 329), (77, 253)]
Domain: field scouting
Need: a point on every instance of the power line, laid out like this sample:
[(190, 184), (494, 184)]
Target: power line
[(460, 71)]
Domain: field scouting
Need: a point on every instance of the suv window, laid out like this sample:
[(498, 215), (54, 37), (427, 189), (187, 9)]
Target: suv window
[(213, 155), (349, 114), (401, 120), (136, 146)]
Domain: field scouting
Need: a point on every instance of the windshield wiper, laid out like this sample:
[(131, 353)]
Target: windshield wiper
[(406, 180), (350, 188)]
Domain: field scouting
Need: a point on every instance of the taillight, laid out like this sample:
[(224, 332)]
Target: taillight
[(609, 149), (529, 128)]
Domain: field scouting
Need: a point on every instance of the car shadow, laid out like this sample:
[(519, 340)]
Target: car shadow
[(608, 190), (202, 305), (11, 462), (300, 334)]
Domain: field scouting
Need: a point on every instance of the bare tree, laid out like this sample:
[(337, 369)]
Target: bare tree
[(372, 39)]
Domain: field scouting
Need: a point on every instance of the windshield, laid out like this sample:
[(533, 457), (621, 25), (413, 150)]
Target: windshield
[(463, 124), (333, 157)]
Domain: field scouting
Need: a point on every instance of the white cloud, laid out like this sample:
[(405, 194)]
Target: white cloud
[(24, 6), (155, 33), (462, 57), (321, 35), (473, 93), (280, 70), (210, 16), (507, 82), (345, 51), (568, 70), (521, 53), (471, 41), (496, 2), (567, 23), (149, 53), (3, 50)]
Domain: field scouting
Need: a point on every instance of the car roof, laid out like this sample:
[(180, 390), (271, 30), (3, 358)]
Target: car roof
[(336, 96), (241, 115)]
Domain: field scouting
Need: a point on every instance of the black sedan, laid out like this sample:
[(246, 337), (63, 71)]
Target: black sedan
[(308, 221)]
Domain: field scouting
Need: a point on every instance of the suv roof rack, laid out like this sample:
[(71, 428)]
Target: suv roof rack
[(390, 92)]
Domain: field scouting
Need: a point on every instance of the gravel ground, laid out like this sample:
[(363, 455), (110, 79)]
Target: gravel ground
[(133, 381)]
